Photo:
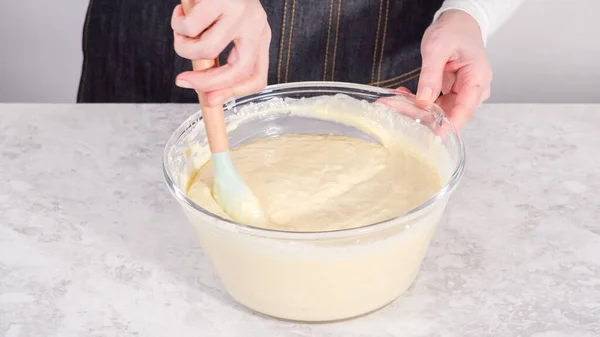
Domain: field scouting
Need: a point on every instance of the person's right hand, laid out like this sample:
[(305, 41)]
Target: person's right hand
[(207, 30)]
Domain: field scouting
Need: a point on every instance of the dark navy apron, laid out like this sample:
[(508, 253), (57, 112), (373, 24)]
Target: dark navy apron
[(129, 57)]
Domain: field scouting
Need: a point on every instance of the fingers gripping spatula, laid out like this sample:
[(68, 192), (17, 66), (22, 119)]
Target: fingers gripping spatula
[(229, 190)]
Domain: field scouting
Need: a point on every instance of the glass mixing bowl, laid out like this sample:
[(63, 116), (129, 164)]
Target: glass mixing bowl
[(317, 276)]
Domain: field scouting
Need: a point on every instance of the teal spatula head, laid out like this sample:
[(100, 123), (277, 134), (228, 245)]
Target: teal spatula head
[(232, 193)]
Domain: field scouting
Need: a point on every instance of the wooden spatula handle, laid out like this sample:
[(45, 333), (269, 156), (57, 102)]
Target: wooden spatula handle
[(214, 117)]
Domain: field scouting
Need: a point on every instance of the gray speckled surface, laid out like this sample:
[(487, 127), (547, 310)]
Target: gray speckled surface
[(92, 243)]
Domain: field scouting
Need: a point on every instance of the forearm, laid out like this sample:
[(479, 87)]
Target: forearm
[(490, 14)]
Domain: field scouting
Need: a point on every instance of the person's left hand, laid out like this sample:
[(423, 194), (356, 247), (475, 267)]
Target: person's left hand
[(455, 63)]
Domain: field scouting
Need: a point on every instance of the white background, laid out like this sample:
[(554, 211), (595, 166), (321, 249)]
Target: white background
[(549, 51)]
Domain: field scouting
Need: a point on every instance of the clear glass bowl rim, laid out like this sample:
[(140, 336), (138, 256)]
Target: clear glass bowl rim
[(324, 87)]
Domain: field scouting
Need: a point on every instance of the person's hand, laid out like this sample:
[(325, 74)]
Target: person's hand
[(207, 30), (454, 63)]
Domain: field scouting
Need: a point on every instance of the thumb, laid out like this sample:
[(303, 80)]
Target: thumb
[(432, 72)]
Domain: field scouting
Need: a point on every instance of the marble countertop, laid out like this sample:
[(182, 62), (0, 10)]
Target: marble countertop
[(93, 244)]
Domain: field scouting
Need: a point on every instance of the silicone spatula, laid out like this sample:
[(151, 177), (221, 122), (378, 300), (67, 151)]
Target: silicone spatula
[(229, 189)]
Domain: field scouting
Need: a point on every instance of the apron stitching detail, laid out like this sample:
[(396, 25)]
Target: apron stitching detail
[(376, 41), (282, 42), (396, 77), (404, 80), (327, 46), (85, 47), (337, 28), (287, 63), (387, 10)]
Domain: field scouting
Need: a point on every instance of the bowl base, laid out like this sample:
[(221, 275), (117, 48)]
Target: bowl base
[(323, 321)]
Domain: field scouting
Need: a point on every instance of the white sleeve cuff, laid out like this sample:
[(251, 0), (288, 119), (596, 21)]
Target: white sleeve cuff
[(472, 8), (489, 14)]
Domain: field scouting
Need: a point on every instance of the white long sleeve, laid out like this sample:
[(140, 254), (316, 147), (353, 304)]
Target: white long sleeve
[(490, 14)]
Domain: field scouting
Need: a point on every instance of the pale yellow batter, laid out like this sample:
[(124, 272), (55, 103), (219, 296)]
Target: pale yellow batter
[(326, 182), (321, 183)]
